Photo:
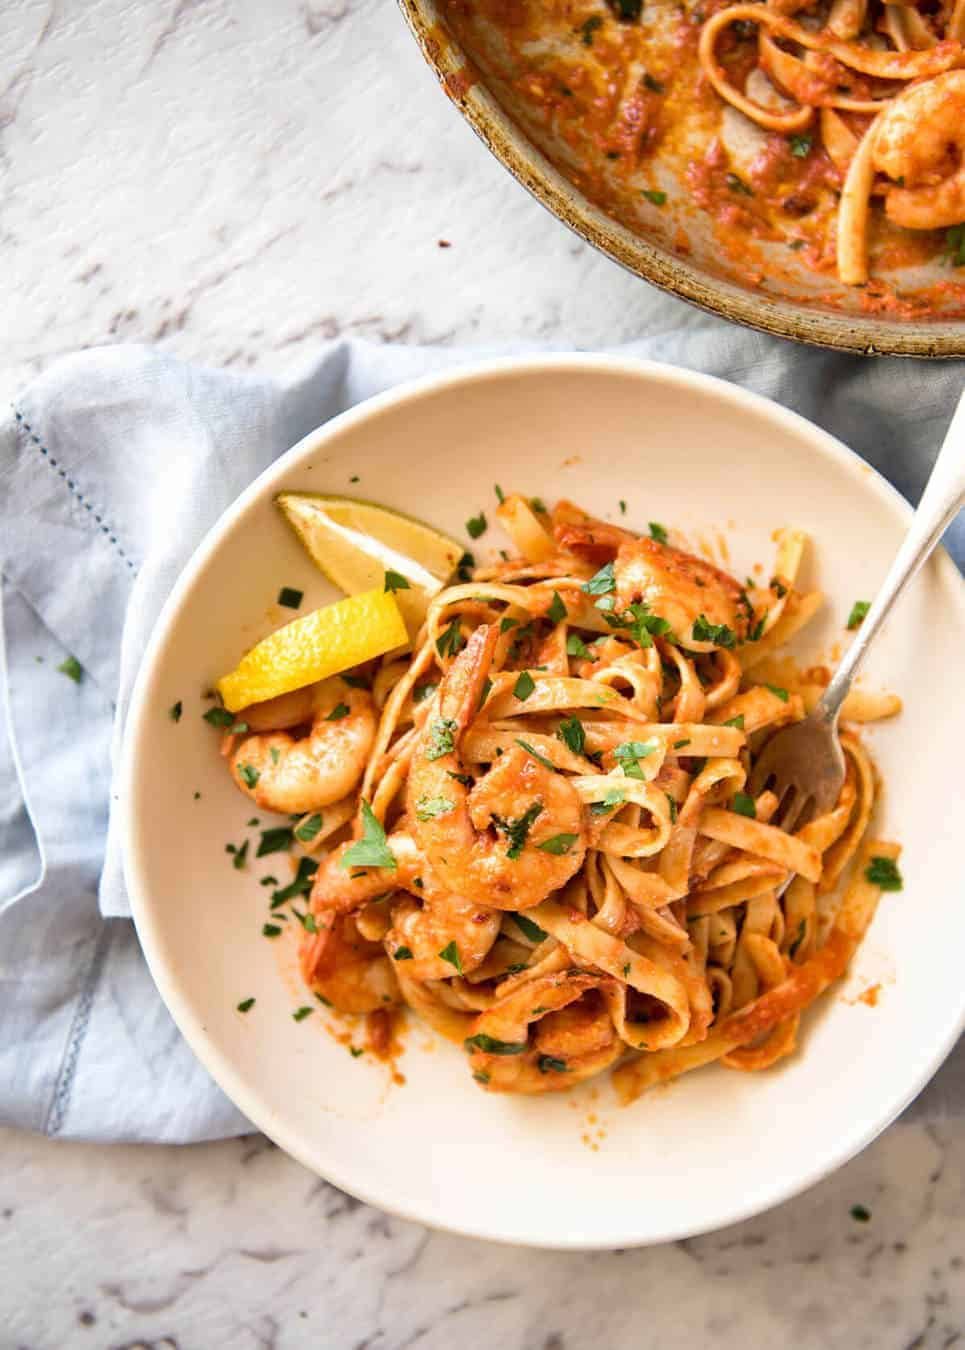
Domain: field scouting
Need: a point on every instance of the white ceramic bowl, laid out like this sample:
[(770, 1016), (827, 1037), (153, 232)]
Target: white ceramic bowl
[(573, 1170)]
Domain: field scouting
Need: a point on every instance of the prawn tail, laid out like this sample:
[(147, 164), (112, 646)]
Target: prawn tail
[(462, 689)]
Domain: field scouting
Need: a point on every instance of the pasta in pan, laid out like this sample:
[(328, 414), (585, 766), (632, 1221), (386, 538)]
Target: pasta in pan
[(546, 849)]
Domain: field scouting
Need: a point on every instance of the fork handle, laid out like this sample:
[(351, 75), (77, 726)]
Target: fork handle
[(940, 502)]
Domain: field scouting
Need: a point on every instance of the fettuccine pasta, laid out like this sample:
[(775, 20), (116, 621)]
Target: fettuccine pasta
[(547, 850)]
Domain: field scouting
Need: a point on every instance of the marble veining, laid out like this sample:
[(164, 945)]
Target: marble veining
[(237, 180)]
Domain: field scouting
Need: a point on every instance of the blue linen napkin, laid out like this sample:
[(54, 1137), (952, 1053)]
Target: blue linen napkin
[(113, 464)]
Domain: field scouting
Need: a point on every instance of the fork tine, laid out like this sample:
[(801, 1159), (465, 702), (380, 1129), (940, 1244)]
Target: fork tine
[(787, 817)]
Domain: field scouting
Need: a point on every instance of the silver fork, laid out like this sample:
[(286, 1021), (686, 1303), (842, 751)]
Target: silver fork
[(804, 763)]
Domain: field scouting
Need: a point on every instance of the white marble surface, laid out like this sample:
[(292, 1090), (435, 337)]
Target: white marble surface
[(237, 179)]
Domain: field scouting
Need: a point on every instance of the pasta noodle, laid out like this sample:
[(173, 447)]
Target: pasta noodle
[(552, 857)]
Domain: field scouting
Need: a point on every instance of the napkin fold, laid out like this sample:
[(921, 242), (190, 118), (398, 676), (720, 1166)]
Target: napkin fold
[(113, 464)]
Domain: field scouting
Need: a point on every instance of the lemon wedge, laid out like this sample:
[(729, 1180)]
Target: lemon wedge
[(355, 543), (325, 642)]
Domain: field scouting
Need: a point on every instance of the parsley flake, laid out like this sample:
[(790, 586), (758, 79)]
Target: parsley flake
[(450, 640), (289, 597), (656, 198), (175, 710), (602, 583), (476, 525), (744, 805), (658, 532), (550, 1064), (629, 754), (371, 850), (858, 612), (531, 750), (575, 646), (248, 774), (717, 633), (307, 830), (246, 1005), (801, 146), (338, 712), (402, 954), (429, 808), (524, 686), (529, 929), (489, 1045), (883, 873), (573, 734), (613, 798), (778, 692), (450, 953), (441, 737), (557, 611), (276, 840), (395, 581), (559, 845), (301, 1013), (517, 831)]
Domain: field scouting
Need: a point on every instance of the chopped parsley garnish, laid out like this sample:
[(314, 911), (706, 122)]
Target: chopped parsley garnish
[(737, 722), (449, 641), (325, 1002), (860, 1214), (338, 712), (275, 754), (356, 1050), (655, 86), (423, 691), (72, 669), (955, 245), (550, 1064), (357, 681), (246, 1005), (218, 717), (371, 850), (500, 495), (464, 567), (717, 633), (658, 532), (575, 646), (883, 872), (450, 953), (395, 581), (757, 632), (301, 885), (248, 774), (254, 822), (268, 881), (301, 1013), (175, 710), (531, 750), (744, 805), (777, 585), (612, 799), (778, 692), (559, 845), (538, 505), (306, 919), (241, 856), (529, 928), (289, 597), (672, 803), (276, 840), (679, 745), (602, 583), (629, 754), (557, 611), (481, 1076), (489, 1045), (801, 146), (476, 525), (524, 686), (517, 831), (657, 198), (402, 954), (571, 732), (466, 779), (506, 624), (307, 830), (858, 612), (270, 930), (738, 185), (441, 737), (428, 808)]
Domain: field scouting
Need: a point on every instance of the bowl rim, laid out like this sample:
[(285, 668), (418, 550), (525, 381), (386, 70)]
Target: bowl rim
[(267, 1117), (935, 338)]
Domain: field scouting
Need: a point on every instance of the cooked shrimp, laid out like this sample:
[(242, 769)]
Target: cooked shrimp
[(680, 588), (291, 774), (424, 925), (442, 923), (572, 1038), (485, 841), (352, 973), (919, 142)]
